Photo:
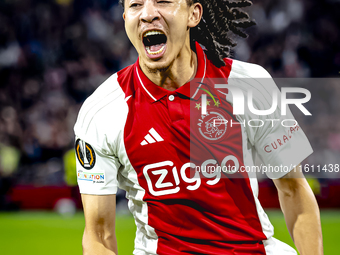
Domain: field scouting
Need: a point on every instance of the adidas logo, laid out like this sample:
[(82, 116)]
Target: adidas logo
[(152, 137)]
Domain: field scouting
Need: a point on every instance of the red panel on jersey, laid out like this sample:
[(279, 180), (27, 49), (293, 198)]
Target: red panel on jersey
[(202, 214)]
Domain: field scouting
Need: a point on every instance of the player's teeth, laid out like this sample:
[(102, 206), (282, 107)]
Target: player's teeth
[(153, 32), (154, 52)]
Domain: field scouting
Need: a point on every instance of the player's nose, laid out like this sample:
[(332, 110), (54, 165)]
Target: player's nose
[(149, 12)]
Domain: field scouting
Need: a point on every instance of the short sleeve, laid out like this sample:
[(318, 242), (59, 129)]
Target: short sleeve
[(281, 148), (278, 139), (96, 170), (96, 139)]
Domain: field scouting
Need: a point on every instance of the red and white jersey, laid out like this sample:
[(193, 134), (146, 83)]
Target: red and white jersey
[(155, 143)]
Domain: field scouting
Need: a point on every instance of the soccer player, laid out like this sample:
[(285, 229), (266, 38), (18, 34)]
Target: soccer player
[(144, 130)]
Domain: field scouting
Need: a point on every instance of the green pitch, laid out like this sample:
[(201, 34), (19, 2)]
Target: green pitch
[(41, 233)]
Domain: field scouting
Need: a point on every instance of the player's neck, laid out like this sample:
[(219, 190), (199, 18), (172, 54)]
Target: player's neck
[(181, 71)]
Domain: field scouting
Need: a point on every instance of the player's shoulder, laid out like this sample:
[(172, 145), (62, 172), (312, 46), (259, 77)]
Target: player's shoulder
[(254, 80), (240, 69), (102, 110), (251, 76)]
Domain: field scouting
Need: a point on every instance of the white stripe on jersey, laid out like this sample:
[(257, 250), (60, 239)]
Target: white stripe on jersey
[(107, 106), (146, 241), (205, 70), (247, 77), (141, 82), (267, 227)]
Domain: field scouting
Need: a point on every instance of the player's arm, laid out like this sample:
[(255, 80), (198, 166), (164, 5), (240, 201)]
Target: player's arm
[(99, 234), (301, 212)]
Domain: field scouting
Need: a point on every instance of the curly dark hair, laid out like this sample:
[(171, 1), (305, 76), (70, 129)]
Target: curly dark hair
[(220, 17)]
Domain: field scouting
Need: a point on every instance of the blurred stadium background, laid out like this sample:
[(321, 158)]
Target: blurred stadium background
[(55, 53)]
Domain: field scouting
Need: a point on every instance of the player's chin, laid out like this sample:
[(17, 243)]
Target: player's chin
[(158, 65)]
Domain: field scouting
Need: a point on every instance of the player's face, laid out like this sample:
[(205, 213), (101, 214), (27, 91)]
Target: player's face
[(158, 30)]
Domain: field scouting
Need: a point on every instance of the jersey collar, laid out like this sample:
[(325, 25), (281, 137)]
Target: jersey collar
[(190, 89)]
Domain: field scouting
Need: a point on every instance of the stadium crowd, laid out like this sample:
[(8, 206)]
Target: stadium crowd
[(55, 53)]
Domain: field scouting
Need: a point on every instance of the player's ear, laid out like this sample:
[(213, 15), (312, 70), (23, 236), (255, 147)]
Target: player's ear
[(124, 15), (196, 11)]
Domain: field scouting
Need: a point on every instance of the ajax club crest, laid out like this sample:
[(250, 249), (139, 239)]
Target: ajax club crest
[(212, 126)]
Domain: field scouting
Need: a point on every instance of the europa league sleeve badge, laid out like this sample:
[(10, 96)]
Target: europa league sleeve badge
[(85, 154)]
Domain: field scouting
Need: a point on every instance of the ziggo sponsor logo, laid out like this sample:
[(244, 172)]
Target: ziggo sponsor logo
[(163, 181)]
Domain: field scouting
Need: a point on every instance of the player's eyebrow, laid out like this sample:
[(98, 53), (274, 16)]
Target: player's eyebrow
[(129, 1)]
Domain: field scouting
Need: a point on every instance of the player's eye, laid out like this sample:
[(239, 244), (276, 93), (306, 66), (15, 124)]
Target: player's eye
[(163, 2), (134, 5)]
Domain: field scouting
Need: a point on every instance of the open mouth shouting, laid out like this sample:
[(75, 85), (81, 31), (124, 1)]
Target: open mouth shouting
[(154, 43)]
